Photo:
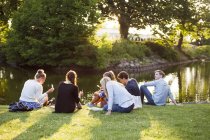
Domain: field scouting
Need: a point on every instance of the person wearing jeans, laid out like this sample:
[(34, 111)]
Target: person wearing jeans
[(162, 90), (119, 99)]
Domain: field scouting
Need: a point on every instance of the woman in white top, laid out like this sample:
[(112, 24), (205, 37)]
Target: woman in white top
[(119, 99), (32, 94)]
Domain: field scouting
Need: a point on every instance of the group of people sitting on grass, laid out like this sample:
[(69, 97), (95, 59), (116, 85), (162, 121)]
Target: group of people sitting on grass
[(113, 96)]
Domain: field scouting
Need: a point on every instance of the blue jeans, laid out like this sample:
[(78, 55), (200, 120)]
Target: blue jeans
[(146, 92), (117, 108)]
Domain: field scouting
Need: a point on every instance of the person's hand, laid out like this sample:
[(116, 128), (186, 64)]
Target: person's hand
[(79, 106), (109, 112), (81, 93), (50, 90)]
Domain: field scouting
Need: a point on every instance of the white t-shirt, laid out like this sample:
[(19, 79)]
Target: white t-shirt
[(32, 91)]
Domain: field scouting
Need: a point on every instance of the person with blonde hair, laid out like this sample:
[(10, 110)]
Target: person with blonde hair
[(119, 99), (68, 97), (32, 95)]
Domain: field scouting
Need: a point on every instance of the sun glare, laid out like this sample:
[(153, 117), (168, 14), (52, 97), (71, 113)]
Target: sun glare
[(111, 29)]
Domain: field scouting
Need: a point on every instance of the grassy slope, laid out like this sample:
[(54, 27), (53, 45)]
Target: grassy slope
[(169, 122)]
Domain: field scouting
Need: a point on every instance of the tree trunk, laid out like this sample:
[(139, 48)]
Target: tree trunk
[(180, 85), (124, 26), (179, 46)]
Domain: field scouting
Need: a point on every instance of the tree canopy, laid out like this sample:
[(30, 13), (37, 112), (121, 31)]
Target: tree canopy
[(184, 19), (46, 32)]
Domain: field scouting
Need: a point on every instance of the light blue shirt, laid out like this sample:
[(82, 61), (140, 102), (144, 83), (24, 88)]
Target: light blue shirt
[(117, 94), (162, 91)]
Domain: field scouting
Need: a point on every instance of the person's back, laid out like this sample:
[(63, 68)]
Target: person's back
[(133, 87), (29, 91), (117, 92), (32, 96), (67, 98)]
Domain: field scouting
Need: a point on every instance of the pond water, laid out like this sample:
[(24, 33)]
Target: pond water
[(189, 83)]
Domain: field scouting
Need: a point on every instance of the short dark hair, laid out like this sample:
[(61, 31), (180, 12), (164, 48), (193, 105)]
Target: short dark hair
[(161, 72), (123, 74)]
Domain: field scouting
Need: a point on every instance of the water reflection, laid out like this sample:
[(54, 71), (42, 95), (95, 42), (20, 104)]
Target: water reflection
[(188, 83)]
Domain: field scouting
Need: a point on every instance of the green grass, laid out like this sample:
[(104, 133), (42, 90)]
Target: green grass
[(170, 122)]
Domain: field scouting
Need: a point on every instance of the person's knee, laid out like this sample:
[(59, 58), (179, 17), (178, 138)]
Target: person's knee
[(142, 88)]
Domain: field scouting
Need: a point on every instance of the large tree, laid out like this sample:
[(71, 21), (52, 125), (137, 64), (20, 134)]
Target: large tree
[(141, 13), (184, 18), (45, 32), (130, 13)]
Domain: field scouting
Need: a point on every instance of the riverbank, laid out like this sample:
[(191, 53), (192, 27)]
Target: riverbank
[(156, 62), (189, 121), (131, 67)]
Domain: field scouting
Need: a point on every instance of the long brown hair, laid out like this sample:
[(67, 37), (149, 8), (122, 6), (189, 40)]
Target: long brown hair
[(72, 77)]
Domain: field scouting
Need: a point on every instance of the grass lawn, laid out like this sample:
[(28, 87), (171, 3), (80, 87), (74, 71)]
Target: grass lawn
[(191, 121)]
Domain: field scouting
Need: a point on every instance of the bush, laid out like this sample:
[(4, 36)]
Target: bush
[(163, 50), (197, 51), (128, 50), (109, 53), (103, 51), (85, 55)]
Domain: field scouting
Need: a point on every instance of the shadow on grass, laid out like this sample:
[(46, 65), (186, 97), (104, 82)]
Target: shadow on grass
[(7, 116), (49, 124), (186, 122), (166, 122), (120, 125)]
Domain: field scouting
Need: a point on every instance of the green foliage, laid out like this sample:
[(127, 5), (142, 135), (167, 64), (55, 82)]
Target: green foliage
[(197, 51), (128, 50), (163, 50), (111, 53), (85, 55), (141, 13), (7, 8), (45, 32), (104, 49), (182, 18), (3, 32)]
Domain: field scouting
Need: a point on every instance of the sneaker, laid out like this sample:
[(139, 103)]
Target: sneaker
[(90, 105)]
